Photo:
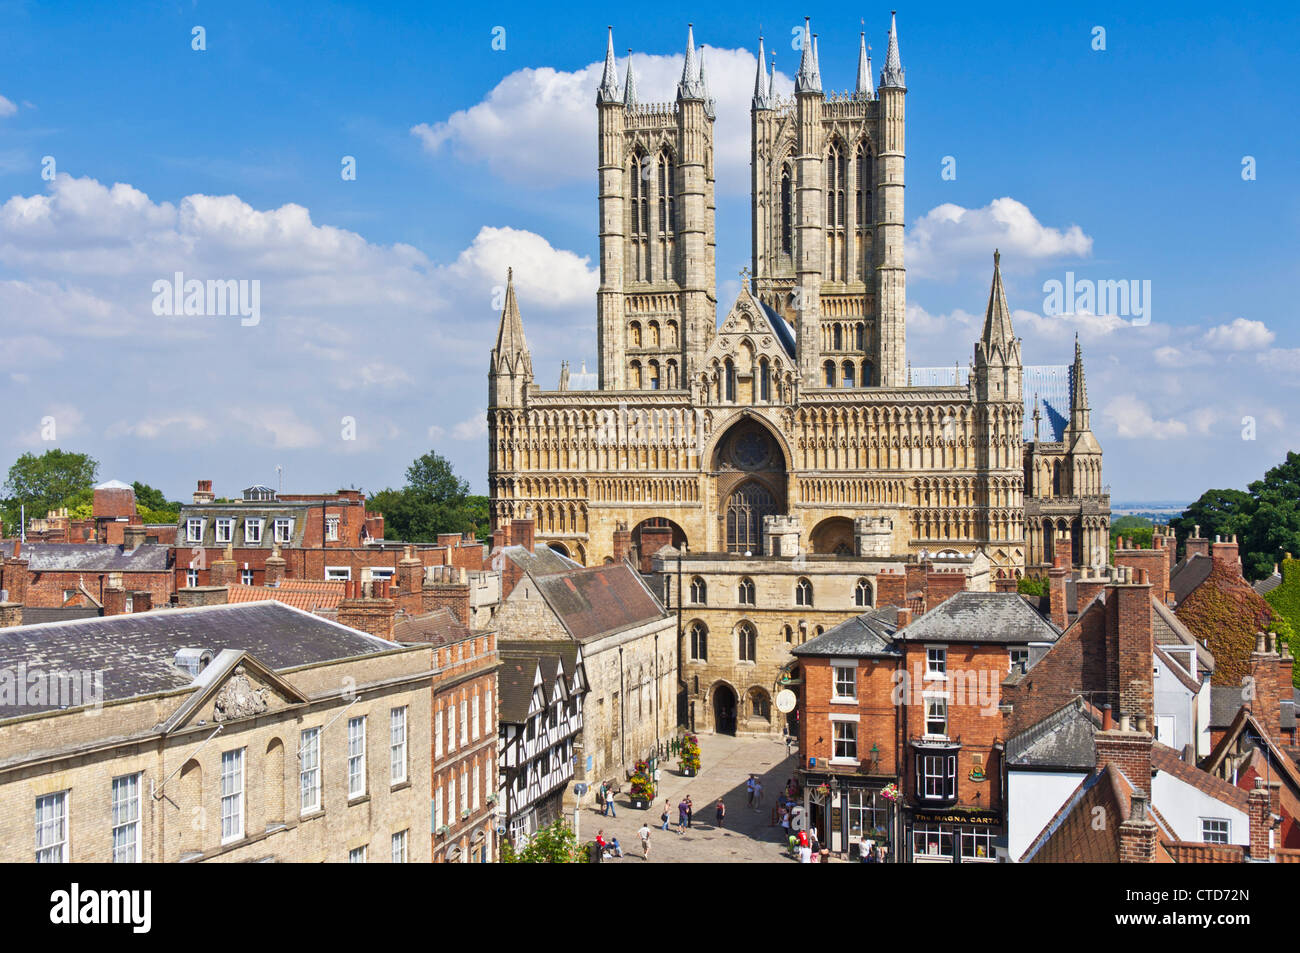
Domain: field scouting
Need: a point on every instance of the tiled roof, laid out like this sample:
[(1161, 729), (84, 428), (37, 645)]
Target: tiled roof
[(135, 652), (35, 615), (1164, 758), (92, 557), (541, 561), (1225, 702), (1072, 836), (1189, 574), (306, 594), (515, 680), (599, 601), (981, 617), (1244, 721), (1062, 740), (438, 627), (871, 633)]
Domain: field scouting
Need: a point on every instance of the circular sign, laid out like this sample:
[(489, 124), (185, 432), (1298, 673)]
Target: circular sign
[(580, 789), (786, 701)]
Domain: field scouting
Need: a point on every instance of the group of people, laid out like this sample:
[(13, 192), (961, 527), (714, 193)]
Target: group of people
[(605, 798), (685, 813)]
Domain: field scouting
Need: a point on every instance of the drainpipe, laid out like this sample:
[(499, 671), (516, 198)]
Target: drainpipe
[(622, 707)]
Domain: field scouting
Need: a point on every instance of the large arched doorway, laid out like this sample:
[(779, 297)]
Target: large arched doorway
[(833, 536), (651, 535), (724, 709), (750, 474)]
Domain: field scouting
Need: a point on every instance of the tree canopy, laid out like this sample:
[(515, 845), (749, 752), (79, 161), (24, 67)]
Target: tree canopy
[(46, 482), (553, 844), (433, 501)]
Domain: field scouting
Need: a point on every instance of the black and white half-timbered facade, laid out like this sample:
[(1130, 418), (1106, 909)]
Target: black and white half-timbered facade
[(542, 688)]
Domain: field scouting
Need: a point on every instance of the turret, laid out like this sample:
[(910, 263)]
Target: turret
[(864, 89), (891, 276), (511, 372), (809, 239), (997, 353), (1084, 450), (611, 114)]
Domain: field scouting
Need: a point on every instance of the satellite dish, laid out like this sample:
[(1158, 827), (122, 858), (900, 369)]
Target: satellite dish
[(786, 701)]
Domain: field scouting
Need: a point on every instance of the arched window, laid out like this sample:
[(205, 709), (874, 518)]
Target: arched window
[(838, 336), (787, 210), (803, 593), (746, 643), (764, 380), (729, 373), (672, 375), (745, 592), (848, 374), (745, 511), (640, 216), (788, 632), (670, 334), (858, 336), (666, 205), (653, 329), (759, 705), (829, 368), (699, 591), (862, 593), (654, 375), (699, 642), (634, 334), (634, 376), (836, 187)]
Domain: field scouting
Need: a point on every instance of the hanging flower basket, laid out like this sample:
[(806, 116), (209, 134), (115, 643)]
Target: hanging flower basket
[(890, 792)]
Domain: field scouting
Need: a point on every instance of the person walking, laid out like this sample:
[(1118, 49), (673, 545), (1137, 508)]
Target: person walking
[(645, 841), (682, 822), (749, 789), (609, 803), (721, 811), (690, 810), (600, 800), (666, 814), (758, 794), (805, 849)]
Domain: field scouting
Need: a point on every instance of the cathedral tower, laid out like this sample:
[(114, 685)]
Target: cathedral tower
[(657, 304)]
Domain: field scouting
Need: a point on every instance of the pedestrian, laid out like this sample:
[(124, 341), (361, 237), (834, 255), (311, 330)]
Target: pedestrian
[(665, 815), (720, 811), (749, 789), (609, 803), (600, 798), (805, 850), (758, 793), (645, 841), (690, 810), (785, 821), (600, 842), (615, 848), (681, 815)]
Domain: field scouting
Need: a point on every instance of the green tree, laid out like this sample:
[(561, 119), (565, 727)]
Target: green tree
[(46, 482), (433, 501), (1285, 603), (1273, 528), (1217, 513), (1031, 586), (152, 506), (553, 844)]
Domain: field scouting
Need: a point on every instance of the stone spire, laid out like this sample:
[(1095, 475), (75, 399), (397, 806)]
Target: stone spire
[(817, 63), (892, 74), (762, 91), (512, 366), (608, 91), (865, 89), (997, 319), (771, 83), (690, 86), (1037, 417), (1078, 391), (629, 87), (704, 88), (808, 80)]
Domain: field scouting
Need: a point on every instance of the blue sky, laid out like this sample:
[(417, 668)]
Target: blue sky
[(377, 293)]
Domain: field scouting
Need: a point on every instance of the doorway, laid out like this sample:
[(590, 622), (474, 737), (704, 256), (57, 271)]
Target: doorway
[(724, 709)]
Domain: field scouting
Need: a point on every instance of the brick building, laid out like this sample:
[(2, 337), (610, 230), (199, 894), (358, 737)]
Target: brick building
[(56, 575), (228, 733)]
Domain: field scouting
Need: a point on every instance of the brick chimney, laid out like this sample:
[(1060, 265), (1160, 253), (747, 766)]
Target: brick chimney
[(141, 600), (224, 571), (133, 536), (1057, 577), (1128, 749), (1154, 561), (1196, 545), (1224, 552), (941, 585), (1134, 642), (14, 580), (522, 530), (1266, 669), (11, 614), (274, 568), (1137, 835), (1090, 582), (410, 572), (114, 600), (1006, 584), (367, 608), (904, 617), (204, 493), (1258, 809), (448, 539), (190, 597), (447, 586), (622, 542), (891, 588)]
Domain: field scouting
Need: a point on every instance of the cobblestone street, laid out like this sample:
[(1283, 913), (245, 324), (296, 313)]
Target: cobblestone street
[(748, 835)]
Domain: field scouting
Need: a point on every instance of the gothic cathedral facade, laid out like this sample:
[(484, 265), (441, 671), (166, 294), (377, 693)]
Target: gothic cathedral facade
[(801, 402)]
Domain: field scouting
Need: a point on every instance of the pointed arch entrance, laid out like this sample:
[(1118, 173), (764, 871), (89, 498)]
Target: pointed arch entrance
[(724, 709), (749, 472)]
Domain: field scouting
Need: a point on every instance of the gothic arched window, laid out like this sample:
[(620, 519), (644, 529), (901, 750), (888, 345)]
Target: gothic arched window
[(803, 593), (862, 593), (699, 642), (634, 376), (787, 212), (745, 511), (865, 210), (759, 705), (829, 368), (836, 187), (764, 380), (745, 592), (847, 374), (746, 643), (666, 204), (653, 383), (639, 225), (729, 375), (699, 591), (859, 333), (838, 336)]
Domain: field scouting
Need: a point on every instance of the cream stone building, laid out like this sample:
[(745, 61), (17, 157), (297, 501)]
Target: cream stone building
[(801, 401), (250, 732)]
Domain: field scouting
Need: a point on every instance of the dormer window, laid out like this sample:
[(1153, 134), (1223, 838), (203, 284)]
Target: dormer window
[(225, 529), (283, 530), (253, 530), (331, 529), (194, 530)]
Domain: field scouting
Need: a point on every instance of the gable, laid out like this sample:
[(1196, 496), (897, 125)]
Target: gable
[(234, 686), (747, 335)]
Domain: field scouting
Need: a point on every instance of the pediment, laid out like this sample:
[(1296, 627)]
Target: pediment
[(746, 335), (233, 687)]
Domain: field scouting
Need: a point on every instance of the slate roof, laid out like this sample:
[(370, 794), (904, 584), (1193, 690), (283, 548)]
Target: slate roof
[(1063, 740), (92, 557), (599, 601), (1052, 384), (135, 652), (1225, 702), (241, 512), (870, 634), (998, 617), (1268, 583), (515, 687), (780, 327), (35, 615), (541, 561), (1189, 574)]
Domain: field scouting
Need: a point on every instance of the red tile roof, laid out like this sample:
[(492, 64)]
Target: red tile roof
[(306, 594)]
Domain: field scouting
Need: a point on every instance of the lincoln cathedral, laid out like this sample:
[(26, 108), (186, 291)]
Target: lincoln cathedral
[(800, 404)]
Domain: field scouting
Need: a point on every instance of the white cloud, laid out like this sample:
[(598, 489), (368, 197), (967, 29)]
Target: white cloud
[(537, 127), (947, 239), (1241, 334), (50, 425), (1131, 418), (7, 108), (541, 272), (472, 428), (1285, 361), (166, 426)]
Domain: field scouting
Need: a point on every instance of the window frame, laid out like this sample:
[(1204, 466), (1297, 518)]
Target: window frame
[(60, 823), (838, 696), (117, 805), (1211, 837), (357, 757), (803, 592), (253, 530), (844, 750), (282, 523), (309, 744), (190, 536), (223, 528), (397, 747), (232, 772)]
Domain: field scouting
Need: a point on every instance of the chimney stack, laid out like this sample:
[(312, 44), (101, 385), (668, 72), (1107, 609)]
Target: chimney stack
[(1137, 835), (622, 542), (141, 600), (1057, 576), (114, 600), (133, 536), (1259, 810), (1196, 545), (274, 568)]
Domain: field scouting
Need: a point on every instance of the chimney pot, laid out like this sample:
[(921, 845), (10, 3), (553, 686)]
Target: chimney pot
[(1107, 718)]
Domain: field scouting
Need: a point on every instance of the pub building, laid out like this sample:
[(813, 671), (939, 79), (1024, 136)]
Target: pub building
[(901, 737)]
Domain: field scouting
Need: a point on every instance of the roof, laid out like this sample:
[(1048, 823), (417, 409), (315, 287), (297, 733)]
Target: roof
[(871, 633), (1225, 702), (306, 594), (92, 557), (540, 561), (134, 653), (1164, 758), (981, 617), (1176, 668), (1072, 836), (1189, 574), (1269, 583), (780, 327), (1168, 629), (35, 615), (1244, 720), (1064, 739), (113, 485), (437, 627), (1050, 384), (519, 664), (599, 601)]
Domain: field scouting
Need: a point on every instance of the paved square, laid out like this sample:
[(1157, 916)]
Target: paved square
[(747, 836)]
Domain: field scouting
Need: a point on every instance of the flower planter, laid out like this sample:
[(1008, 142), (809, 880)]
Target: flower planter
[(640, 804), (688, 772)]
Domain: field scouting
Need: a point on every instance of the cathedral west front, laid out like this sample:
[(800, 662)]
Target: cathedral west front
[(800, 404)]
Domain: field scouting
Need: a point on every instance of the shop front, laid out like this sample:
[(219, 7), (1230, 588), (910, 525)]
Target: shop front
[(850, 813), (952, 836)]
